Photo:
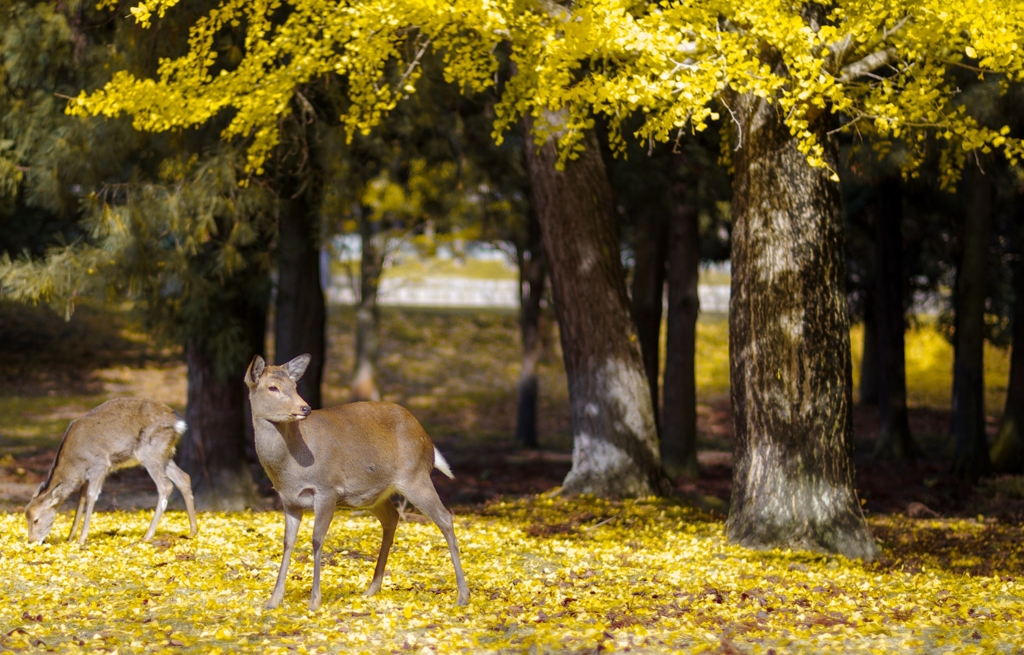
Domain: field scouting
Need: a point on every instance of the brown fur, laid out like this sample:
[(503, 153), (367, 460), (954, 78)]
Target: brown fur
[(118, 434), (354, 455)]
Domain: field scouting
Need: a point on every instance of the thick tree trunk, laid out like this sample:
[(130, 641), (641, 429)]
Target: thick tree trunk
[(894, 439), (532, 271), (789, 347), (679, 416), (651, 249), (615, 445), (213, 450), (300, 311), (364, 379), (1008, 450), (971, 458), (869, 357)]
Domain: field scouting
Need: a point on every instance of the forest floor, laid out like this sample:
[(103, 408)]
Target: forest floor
[(548, 574)]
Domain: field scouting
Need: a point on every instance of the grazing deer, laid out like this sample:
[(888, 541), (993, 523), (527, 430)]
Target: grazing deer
[(354, 455), (118, 434)]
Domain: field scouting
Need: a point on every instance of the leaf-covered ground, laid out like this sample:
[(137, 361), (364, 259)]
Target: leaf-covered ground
[(547, 575)]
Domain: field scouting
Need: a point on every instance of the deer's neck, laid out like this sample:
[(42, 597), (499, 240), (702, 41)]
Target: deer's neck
[(272, 441)]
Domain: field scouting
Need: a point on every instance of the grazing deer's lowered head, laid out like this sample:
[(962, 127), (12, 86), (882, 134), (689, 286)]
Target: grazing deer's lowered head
[(118, 434), (354, 455)]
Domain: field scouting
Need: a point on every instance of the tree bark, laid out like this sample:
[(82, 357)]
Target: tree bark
[(615, 446), (532, 271), (971, 457), (789, 346), (679, 417), (894, 439), (364, 379), (869, 358), (651, 249), (213, 450), (1008, 451), (300, 310)]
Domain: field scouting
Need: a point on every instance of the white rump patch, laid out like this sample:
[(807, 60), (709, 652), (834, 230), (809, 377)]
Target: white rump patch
[(180, 426), (441, 464)]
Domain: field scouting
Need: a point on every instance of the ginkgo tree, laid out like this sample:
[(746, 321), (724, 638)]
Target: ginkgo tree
[(785, 78)]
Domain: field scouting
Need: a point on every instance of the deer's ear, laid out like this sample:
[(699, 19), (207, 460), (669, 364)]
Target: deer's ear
[(252, 376), (296, 367)]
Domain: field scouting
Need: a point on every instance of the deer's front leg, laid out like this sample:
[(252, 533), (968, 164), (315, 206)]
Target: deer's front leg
[(323, 509), (292, 518)]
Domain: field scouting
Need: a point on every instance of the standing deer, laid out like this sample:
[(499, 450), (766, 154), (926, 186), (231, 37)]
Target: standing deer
[(118, 434), (354, 455)]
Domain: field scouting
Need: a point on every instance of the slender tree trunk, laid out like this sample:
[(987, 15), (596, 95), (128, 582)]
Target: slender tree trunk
[(364, 379), (615, 445), (1008, 450), (651, 249), (789, 346), (532, 271), (300, 309), (679, 418), (894, 439), (971, 458), (213, 450), (869, 358)]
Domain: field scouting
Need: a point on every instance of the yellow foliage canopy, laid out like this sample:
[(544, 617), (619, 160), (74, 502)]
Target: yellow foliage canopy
[(886, 66)]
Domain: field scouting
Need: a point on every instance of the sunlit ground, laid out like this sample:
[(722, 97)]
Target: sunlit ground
[(546, 576)]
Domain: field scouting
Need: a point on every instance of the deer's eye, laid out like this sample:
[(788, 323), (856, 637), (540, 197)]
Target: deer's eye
[(274, 389)]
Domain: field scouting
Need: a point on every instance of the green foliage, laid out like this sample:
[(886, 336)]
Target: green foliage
[(193, 249)]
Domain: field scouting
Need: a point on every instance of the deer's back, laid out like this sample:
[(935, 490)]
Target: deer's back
[(363, 448), (114, 432)]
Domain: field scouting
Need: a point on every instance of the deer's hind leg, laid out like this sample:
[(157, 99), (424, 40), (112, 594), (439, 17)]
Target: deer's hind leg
[(164, 488), (184, 484), (422, 494)]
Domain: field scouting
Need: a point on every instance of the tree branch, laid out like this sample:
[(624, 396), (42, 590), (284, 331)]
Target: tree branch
[(867, 64)]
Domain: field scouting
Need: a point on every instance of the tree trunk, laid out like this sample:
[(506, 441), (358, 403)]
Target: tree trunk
[(894, 439), (1008, 450), (213, 450), (615, 445), (679, 418), (789, 346), (650, 248), (532, 271), (364, 380), (869, 358), (300, 310), (970, 457)]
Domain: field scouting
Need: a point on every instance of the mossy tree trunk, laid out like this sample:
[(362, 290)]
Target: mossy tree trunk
[(532, 272), (971, 455), (615, 445), (650, 248), (371, 264), (789, 349), (894, 438), (679, 413)]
